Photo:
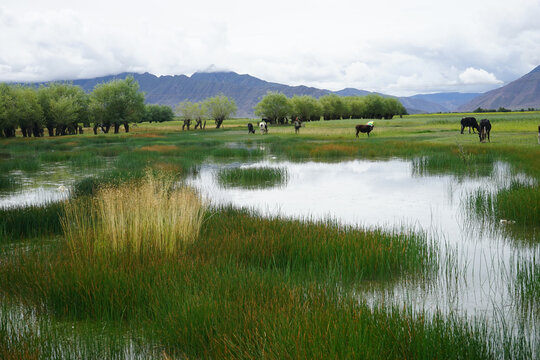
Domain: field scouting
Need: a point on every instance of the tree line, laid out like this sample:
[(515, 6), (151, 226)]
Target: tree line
[(63, 108), (277, 108)]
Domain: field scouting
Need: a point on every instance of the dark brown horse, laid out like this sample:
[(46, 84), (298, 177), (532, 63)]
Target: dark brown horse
[(363, 129), (470, 122), (485, 128)]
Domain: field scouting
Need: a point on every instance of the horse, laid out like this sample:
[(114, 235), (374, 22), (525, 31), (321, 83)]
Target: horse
[(485, 128), (297, 125), (263, 127), (251, 130), (470, 122), (363, 129)]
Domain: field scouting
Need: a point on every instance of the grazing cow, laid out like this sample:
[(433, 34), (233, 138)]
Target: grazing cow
[(264, 127), (485, 128), (251, 130), (297, 125), (470, 122), (363, 129)]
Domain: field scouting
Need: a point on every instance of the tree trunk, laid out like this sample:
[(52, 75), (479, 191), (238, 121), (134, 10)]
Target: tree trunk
[(126, 126), (116, 128)]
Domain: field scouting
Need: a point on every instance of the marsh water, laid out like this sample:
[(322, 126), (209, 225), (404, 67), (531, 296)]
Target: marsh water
[(477, 258)]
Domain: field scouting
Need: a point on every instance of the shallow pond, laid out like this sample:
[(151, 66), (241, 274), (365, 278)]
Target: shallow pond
[(477, 259)]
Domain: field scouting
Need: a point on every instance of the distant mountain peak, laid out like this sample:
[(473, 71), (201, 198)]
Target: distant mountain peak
[(523, 93)]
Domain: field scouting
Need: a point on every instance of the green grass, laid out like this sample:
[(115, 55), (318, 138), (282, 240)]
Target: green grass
[(9, 182), (30, 222), (519, 203), (249, 286), (527, 283), (252, 178)]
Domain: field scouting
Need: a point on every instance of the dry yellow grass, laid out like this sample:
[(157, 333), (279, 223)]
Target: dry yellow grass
[(159, 148), (147, 135), (334, 149), (149, 215)]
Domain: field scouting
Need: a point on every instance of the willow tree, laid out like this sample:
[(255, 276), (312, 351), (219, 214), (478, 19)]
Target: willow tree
[(274, 106), (27, 111), (64, 107), (305, 108), (116, 103), (219, 108), (8, 124)]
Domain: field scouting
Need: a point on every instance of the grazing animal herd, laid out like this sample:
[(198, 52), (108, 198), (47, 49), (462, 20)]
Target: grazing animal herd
[(483, 129)]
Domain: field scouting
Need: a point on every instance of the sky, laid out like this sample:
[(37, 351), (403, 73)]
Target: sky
[(394, 47)]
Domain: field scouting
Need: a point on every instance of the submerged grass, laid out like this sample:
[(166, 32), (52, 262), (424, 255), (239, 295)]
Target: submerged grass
[(527, 284), (253, 177)]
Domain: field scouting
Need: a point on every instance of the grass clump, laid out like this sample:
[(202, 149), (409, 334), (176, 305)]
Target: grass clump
[(253, 177), (9, 182), (519, 203), (151, 213), (30, 221), (307, 250), (527, 283)]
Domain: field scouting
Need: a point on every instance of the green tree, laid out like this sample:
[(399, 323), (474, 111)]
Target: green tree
[(374, 107), (116, 103), (274, 106), (157, 113), (27, 111), (64, 107), (333, 107), (356, 106), (8, 123), (305, 108), (219, 108)]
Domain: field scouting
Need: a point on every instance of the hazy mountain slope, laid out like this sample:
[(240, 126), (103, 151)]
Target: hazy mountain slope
[(522, 93), (450, 101), (247, 91)]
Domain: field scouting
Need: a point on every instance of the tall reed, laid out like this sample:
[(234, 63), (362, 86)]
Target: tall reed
[(519, 203), (252, 178), (137, 216)]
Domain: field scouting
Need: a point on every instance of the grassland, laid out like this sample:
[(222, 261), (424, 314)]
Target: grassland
[(244, 286)]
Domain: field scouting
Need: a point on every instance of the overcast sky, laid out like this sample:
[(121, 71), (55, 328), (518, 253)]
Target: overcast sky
[(391, 46)]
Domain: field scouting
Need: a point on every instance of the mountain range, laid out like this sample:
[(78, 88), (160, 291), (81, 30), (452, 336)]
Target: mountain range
[(247, 91), (523, 93)]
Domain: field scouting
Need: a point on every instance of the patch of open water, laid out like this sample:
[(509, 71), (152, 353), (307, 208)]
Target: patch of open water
[(477, 263)]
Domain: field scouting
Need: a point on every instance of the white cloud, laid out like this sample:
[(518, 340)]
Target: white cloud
[(386, 46), (478, 77)]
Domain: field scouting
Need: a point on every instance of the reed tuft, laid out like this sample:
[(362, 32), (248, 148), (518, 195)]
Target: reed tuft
[(151, 214)]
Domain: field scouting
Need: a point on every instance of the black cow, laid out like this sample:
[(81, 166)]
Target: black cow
[(363, 129), (251, 129), (470, 122), (485, 128)]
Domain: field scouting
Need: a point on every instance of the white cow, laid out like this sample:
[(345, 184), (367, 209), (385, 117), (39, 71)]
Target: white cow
[(264, 127)]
